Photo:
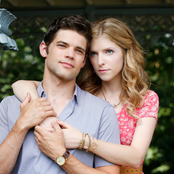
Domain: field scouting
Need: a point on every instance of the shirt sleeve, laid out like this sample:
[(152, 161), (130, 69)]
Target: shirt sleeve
[(3, 121), (151, 106), (109, 131)]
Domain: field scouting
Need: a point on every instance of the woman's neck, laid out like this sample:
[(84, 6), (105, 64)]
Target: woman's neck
[(110, 91), (112, 88)]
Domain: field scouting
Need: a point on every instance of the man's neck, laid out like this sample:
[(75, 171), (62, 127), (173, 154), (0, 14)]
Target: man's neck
[(58, 88), (59, 92)]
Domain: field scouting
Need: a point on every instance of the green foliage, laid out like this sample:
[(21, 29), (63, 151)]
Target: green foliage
[(160, 67), (28, 64), (19, 65)]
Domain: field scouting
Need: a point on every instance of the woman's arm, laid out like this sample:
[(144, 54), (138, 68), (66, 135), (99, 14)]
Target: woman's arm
[(21, 87), (134, 154), (131, 156)]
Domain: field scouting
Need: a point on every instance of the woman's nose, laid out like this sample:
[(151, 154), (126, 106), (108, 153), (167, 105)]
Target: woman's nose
[(100, 60)]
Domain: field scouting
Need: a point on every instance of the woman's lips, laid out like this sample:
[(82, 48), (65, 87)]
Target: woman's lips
[(103, 70)]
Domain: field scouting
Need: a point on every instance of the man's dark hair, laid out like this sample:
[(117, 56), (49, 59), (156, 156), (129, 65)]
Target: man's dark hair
[(74, 22)]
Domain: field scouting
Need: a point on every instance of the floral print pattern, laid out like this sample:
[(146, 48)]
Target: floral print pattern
[(127, 123)]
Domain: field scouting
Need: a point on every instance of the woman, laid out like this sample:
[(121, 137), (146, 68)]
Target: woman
[(115, 73)]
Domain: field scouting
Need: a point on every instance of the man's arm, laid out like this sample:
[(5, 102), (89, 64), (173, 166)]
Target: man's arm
[(74, 166), (10, 147), (52, 145), (31, 114)]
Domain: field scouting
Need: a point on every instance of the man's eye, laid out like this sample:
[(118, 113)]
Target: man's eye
[(80, 51), (60, 45)]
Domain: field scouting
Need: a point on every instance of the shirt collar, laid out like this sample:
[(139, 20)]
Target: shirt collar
[(40, 91), (77, 93)]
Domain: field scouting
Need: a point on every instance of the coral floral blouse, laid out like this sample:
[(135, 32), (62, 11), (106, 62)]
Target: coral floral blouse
[(128, 123)]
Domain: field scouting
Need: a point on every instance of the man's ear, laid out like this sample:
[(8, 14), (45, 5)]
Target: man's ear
[(43, 49), (84, 61)]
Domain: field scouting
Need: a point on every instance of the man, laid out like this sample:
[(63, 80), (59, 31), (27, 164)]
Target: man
[(64, 48)]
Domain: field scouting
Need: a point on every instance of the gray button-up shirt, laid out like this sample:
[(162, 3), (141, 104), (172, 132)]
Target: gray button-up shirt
[(84, 111)]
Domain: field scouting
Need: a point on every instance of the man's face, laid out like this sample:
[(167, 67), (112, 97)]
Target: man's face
[(66, 54)]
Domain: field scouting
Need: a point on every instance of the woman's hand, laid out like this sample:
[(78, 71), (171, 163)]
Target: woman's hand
[(72, 135)]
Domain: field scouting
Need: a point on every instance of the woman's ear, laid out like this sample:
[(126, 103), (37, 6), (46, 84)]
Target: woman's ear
[(43, 49)]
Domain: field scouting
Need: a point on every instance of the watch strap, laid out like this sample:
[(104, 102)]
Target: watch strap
[(66, 154)]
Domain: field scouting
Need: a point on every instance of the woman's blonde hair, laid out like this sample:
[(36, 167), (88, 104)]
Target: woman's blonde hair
[(134, 79)]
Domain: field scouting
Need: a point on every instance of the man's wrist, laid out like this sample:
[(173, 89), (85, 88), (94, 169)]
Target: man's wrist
[(61, 160), (20, 127), (57, 153)]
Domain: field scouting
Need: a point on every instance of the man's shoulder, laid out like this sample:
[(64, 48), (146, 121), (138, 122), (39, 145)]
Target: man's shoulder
[(11, 100), (94, 102), (89, 96), (91, 103)]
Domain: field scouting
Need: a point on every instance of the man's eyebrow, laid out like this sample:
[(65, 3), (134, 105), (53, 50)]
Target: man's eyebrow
[(62, 42), (58, 42)]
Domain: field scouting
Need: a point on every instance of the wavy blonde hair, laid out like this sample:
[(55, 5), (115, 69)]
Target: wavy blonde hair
[(135, 81)]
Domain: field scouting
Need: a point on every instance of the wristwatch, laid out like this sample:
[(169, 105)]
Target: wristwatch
[(60, 160)]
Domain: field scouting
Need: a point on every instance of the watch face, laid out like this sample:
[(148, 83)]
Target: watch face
[(60, 160)]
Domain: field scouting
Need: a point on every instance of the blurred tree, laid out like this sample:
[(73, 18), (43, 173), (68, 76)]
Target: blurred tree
[(24, 64), (160, 67)]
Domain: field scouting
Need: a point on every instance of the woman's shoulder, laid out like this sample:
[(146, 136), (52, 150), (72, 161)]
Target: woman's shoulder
[(151, 96), (150, 106), (150, 92)]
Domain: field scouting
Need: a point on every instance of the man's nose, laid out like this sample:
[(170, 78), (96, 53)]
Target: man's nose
[(69, 53)]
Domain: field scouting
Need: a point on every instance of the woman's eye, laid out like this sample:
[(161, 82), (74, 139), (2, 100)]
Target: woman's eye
[(93, 54), (109, 51)]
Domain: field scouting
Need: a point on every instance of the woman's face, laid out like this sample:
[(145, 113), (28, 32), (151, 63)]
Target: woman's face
[(106, 58)]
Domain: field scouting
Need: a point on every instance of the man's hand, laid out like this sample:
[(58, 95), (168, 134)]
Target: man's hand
[(51, 144), (34, 112)]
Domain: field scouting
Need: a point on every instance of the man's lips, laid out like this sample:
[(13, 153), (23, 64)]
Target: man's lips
[(67, 65)]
